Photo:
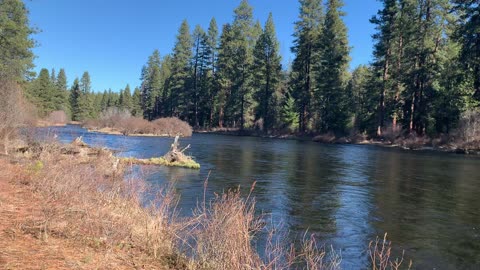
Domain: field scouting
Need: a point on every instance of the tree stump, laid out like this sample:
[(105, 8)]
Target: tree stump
[(176, 154)]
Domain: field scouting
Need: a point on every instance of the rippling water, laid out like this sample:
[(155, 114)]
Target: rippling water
[(346, 194)]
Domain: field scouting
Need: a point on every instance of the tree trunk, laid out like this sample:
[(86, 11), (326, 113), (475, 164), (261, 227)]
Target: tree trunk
[(381, 108)]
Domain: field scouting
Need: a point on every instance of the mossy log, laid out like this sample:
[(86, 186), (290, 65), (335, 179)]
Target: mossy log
[(175, 157)]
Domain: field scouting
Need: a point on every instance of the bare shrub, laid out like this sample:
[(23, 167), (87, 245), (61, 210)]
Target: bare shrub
[(391, 134), (120, 120), (380, 252), (14, 112), (171, 126), (467, 135), (413, 141), (57, 117), (469, 128), (325, 138)]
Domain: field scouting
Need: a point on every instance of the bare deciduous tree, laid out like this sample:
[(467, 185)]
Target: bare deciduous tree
[(13, 113)]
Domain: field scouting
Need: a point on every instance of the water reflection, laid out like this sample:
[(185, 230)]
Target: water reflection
[(427, 202)]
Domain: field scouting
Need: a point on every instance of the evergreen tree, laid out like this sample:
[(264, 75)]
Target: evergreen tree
[(267, 72), (16, 56), (136, 109), (85, 109), (386, 24), (62, 92), (125, 99), (363, 100), (75, 96), (209, 82), (199, 65), (104, 101), (468, 29), (289, 114), (151, 86), (307, 32), (240, 99), (42, 93), (181, 72), (333, 72), (225, 73)]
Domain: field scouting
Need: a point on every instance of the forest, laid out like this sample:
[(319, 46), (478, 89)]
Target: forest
[(424, 77)]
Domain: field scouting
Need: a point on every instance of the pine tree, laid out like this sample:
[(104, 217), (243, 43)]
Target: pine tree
[(363, 100), (42, 92), (62, 92), (386, 23), (137, 103), (181, 72), (85, 109), (152, 86), (16, 56), (240, 99), (199, 65), (104, 101), (333, 72), (125, 100), (75, 96), (289, 114), (267, 72), (307, 32), (468, 29), (210, 89), (225, 72)]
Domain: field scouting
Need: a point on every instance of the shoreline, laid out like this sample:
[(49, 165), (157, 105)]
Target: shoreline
[(347, 141)]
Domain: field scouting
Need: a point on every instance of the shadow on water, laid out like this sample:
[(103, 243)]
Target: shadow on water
[(346, 194)]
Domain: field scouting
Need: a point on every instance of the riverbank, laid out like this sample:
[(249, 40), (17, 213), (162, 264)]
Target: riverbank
[(411, 143), (114, 131), (64, 209)]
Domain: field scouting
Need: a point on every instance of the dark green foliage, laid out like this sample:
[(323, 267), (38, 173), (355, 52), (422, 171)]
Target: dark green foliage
[(75, 95), (305, 48), (16, 57), (363, 100), (331, 98), (266, 73), (136, 108), (180, 81), (125, 99), (42, 93), (152, 86), (467, 34)]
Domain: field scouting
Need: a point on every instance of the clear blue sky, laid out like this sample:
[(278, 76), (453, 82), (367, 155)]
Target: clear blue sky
[(112, 39)]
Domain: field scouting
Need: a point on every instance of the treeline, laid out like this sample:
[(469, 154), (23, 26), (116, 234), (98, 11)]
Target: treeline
[(424, 75), (49, 92)]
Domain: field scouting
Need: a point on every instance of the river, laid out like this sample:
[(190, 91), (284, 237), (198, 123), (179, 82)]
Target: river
[(428, 202)]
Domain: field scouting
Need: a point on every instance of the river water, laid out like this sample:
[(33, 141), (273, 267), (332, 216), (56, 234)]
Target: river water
[(428, 202)]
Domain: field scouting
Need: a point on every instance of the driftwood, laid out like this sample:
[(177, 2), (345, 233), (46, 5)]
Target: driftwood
[(176, 154)]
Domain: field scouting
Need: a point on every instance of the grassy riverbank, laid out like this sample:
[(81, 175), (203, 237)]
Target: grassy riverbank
[(65, 209)]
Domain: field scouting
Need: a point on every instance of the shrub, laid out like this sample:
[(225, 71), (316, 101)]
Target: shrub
[(122, 121), (469, 126), (171, 126), (15, 112), (57, 117)]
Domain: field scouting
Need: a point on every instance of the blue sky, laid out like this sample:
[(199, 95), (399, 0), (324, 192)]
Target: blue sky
[(112, 39)]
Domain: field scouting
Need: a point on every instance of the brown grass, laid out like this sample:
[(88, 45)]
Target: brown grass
[(96, 218)]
